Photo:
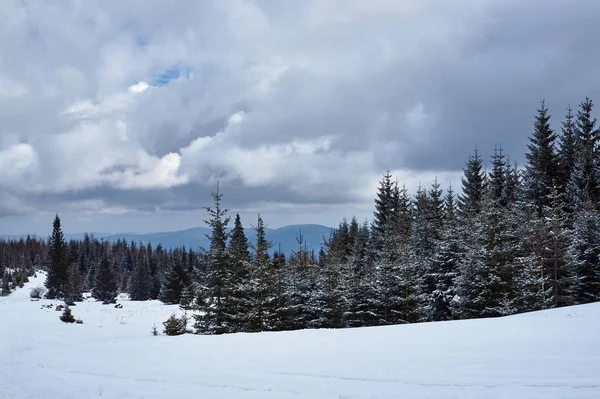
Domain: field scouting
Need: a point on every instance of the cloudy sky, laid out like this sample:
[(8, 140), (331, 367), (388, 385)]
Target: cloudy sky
[(121, 115)]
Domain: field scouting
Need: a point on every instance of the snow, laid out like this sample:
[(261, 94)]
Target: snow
[(549, 354)]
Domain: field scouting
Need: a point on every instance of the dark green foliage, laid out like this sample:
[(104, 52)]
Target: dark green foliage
[(67, 316), (469, 203), (140, 282), (542, 171), (58, 275), (175, 325), (214, 296), (567, 151), (6, 290), (584, 253), (105, 287), (176, 281)]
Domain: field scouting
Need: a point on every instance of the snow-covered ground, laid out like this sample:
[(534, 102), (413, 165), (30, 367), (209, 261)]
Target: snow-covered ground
[(550, 354)]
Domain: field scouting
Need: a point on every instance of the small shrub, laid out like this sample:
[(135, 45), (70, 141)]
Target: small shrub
[(67, 316), (175, 325), (79, 321), (154, 330), (37, 292)]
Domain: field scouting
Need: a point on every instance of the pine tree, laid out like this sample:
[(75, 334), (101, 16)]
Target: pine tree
[(567, 150), (361, 285), (469, 203), (584, 254), (384, 211), (75, 284), (214, 296), (58, 275), (140, 281), (5, 284), (67, 316), (105, 287), (175, 281), (583, 187), (498, 177), (263, 295), (242, 283), (542, 170), (443, 275)]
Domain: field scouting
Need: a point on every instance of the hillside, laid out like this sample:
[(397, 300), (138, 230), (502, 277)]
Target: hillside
[(548, 354)]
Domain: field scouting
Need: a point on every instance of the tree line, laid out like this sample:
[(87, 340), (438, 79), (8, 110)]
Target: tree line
[(514, 239)]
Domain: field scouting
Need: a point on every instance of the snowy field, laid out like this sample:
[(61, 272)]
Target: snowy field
[(551, 354)]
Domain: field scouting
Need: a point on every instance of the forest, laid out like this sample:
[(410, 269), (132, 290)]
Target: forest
[(512, 239)]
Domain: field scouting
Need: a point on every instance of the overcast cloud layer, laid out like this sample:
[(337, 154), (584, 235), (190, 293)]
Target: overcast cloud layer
[(122, 115)]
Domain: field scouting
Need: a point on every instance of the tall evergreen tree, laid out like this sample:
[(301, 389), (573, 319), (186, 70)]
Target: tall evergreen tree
[(242, 283), (214, 294), (542, 170), (140, 281), (58, 275), (567, 150), (469, 203), (105, 287), (583, 187), (263, 296)]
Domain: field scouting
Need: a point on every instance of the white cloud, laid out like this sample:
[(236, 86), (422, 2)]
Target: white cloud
[(139, 87)]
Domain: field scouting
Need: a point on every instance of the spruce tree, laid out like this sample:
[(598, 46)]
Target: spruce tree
[(469, 203), (105, 287), (242, 287), (175, 281), (58, 275), (214, 296), (583, 187), (443, 274), (498, 177), (140, 281), (542, 171), (263, 295), (567, 150), (584, 254)]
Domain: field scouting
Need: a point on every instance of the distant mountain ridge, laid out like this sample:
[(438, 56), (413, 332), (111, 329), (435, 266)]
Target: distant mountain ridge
[(195, 238)]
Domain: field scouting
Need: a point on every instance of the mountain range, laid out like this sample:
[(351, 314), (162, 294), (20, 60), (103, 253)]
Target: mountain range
[(195, 238)]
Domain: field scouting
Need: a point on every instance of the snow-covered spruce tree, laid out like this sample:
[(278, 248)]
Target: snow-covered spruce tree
[(444, 272), (262, 289), (469, 203), (242, 282), (175, 325), (584, 184), (105, 287), (383, 216), (331, 285), (361, 283), (584, 255), (58, 275), (560, 273), (278, 265), (567, 151), (300, 290), (217, 315), (542, 170)]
